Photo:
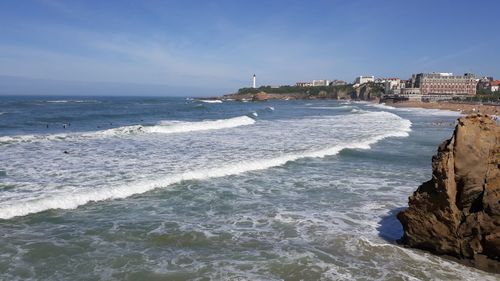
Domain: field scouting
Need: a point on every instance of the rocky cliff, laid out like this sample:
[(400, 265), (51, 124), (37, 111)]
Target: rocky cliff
[(367, 91), (292, 93), (260, 96), (457, 212)]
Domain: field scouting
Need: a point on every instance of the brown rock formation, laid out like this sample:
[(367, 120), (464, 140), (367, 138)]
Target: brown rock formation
[(260, 96), (457, 212)]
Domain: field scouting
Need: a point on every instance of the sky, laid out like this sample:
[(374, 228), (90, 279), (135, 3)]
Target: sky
[(214, 47)]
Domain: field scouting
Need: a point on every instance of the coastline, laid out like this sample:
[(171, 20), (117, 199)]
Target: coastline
[(464, 108)]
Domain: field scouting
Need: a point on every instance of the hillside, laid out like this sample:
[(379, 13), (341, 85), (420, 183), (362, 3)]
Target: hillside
[(367, 91)]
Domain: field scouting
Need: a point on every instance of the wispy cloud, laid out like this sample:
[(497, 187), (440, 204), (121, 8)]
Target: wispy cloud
[(122, 57), (113, 58)]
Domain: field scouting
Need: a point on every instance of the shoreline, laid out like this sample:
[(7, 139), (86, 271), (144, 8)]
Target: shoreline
[(464, 108)]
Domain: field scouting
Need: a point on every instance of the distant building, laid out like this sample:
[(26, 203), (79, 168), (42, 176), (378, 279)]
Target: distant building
[(495, 86), (303, 84), (338, 83), (391, 85), (403, 83), (364, 79), (314, 83), (442, 86), (321, 82)]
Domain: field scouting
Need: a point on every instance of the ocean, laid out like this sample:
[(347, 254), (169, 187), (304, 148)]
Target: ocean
[(134, 188)]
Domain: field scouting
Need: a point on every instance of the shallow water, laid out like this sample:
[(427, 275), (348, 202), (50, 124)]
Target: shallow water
[(175, 189)]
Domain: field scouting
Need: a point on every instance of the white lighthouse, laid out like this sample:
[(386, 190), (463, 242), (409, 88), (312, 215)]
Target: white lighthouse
[(253, 82)]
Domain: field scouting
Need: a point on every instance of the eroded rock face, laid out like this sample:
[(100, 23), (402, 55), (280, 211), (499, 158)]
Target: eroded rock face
[(260, 96), (457, 212)]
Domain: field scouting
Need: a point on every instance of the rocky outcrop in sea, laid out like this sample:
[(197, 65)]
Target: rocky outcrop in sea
[(457, 212)]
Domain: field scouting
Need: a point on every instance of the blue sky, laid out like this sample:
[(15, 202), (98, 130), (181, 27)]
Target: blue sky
[(214, 46)]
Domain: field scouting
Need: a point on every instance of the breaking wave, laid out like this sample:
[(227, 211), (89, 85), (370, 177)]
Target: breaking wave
[(65, 200), (331, 107), (417, 110), (380, 105), (72, 101), (211, 101), (430, 111), (169, 127), (163, 127)]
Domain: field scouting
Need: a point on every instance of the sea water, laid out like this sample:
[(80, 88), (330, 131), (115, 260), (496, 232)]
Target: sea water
[(95, 188)]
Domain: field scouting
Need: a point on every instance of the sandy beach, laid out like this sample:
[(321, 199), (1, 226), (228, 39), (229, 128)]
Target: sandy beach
[(464, 108)]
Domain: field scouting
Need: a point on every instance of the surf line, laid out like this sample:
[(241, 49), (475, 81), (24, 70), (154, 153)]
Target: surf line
[(73, 200)]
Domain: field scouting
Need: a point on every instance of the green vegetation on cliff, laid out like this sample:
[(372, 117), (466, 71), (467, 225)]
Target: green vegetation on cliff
[(295, 89), (374, 90)]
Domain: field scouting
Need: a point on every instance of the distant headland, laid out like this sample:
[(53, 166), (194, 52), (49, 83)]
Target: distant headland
[(367, 91), (464, 93)]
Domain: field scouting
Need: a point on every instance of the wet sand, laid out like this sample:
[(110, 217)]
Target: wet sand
[(465, 108)]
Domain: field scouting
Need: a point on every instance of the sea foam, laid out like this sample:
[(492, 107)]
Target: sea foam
[(65, 200), (429, 111), (381, 106), (72, 101), (163, 127), (168, 127), (211, 101)]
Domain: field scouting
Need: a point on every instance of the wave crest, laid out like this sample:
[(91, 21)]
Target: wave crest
[(169, 127), (163, 127), (73, 200), (211, 101)]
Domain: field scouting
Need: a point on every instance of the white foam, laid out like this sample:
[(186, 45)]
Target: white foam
[(211, 101), (430, 111), (70, 200), (331, 107), (58, 101), (163, 127), (417, 110), (381, 106), (355, 110), (115, 132), (168, 127), (71, 101)]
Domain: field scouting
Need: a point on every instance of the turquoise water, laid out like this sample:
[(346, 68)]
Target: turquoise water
[(175, 189)]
